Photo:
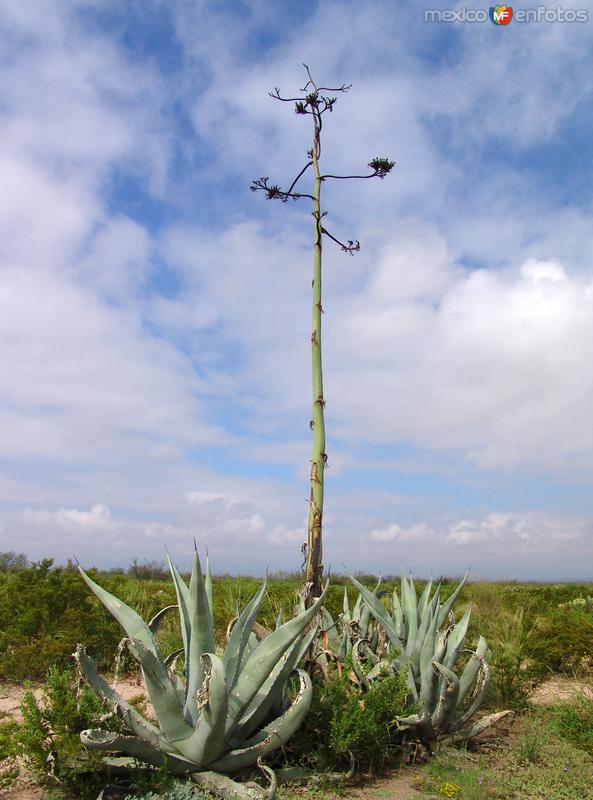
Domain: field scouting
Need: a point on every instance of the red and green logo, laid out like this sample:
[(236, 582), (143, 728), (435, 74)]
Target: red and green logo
[(501, 15)]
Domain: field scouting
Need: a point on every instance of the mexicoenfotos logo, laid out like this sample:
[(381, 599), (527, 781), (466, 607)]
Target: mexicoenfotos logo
[(501, 15)]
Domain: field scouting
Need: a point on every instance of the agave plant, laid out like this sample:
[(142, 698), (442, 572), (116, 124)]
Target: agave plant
[(226, 712), (337, 636), (423, 638)]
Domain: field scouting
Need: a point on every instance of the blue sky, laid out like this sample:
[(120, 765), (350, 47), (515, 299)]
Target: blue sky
[(155, 314)]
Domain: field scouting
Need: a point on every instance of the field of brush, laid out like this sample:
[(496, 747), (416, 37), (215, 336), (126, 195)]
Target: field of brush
[(540, 636)]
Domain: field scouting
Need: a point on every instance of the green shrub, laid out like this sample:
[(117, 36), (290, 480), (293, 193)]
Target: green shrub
[(48, 739), (176, 790), (44, 613), (13, 562), (575, 721), (562, 639), (515, 673), (342, 722), (9, 769)]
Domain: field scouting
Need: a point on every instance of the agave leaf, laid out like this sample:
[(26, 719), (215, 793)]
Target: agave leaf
[(448, 604), (471, 669), (428, 678), (365, 618), (413, 720), (380, 613), (131, 622), (272, 689), (134, 721), (226, 788), (381, 667), (346, 606), (424, 598), (398, 616), (440, 647), (425, 621), (410, 608), (475, 698), (481, 725), (207, 741), (328, 626), (357, 666), (208, 584), (163, 696), (448, 695), (173, 656), (201, 639), (183, 602), (274, 735), (176, 680), (279, 619), (456, 639), (411, 683), (263, 659), (306, 642), (239, 638), (96, 739), (155, 622), (343, 648)]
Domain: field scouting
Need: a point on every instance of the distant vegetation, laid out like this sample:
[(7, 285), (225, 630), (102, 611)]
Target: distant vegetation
[(534, 630)]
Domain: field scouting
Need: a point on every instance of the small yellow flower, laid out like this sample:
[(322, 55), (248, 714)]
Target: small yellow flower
[(450, 790)]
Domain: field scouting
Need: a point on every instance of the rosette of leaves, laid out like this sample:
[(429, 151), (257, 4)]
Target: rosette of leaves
[(423, 638), (225, 712), (337, 636)]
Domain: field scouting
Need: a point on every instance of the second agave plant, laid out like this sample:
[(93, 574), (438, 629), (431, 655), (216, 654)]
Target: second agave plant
[(421, 636), (225, 712)]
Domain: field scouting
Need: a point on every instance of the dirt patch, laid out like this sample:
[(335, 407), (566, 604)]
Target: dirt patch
[(22, 792), (11, 697), (559, 689), (399, 785)]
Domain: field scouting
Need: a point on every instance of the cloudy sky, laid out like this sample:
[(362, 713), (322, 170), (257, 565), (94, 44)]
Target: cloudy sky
[(155, 314)]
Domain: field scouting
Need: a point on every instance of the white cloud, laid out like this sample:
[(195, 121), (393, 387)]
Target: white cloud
[(81, 377), (70, 519), (395, 533)]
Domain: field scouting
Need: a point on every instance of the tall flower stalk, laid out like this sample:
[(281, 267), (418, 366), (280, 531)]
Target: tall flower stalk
[(315, 103)]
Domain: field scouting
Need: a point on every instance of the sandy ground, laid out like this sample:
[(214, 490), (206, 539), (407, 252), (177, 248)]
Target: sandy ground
[(560, 689), (11, 696)]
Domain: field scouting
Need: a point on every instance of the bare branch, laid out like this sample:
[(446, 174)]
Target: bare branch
[(349, 177), (380, 166), (276, 95), (299, 176), (274, 192), (311, 82), (350, 246)]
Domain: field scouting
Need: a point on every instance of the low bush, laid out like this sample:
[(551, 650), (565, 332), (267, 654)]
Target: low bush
[(175, 790), (48, 739), (562, 640), (44, 613), (575, 721), (13, 562), (343, 724), (515, 674)]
